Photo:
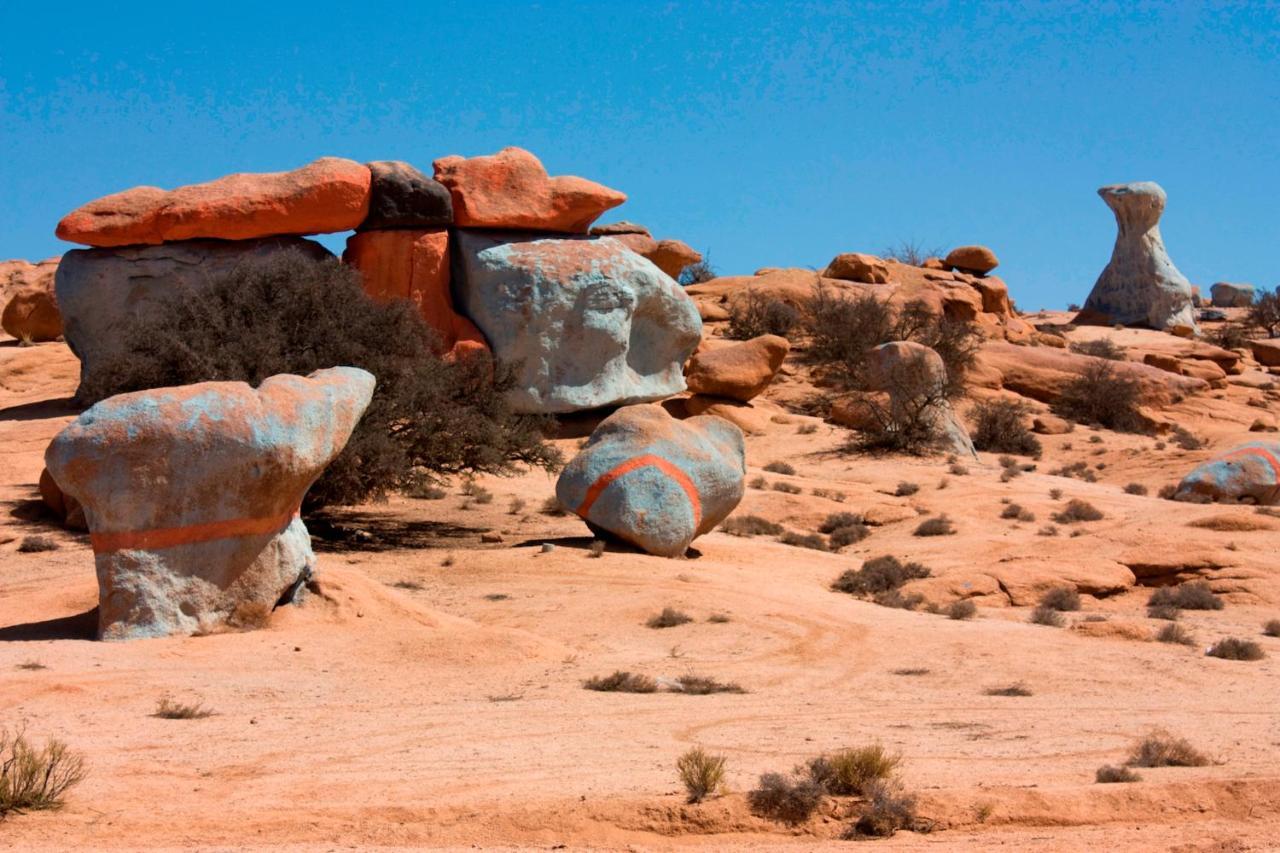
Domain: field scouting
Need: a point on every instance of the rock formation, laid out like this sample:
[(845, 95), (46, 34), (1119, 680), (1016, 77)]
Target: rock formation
[(191, 495), (18, 275), (400, 196), (975, 260), (854, 266), (1250, 473), (913, 376), (1140, 286), (656, 482), (1225, 294), (739, 371), (670, 256), (32, 313)]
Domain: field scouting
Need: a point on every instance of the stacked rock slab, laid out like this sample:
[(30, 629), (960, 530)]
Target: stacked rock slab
[(1250, 472), (191, 495), (670, 256), (656, 482), (738, 371), (590, 322), (1140, 286), (102, 292)]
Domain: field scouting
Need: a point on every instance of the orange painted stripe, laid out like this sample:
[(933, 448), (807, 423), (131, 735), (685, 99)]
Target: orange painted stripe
[(169, 537), (648, 460), (1266, 455)]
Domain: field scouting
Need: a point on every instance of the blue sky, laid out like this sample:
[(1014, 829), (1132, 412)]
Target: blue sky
[(768, 134)]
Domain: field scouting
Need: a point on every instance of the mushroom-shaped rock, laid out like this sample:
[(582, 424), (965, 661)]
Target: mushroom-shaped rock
[(654, 481), (192, 493), (1140, 286), (914, 378), (329, 194), (855, 266), (400, 196), (738, 371), (1250, 472), (32, 313), (511, 189), (977, 260), (1226, 294), (590, 322)]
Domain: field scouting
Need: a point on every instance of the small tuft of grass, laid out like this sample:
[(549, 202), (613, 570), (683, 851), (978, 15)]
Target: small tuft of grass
[(719, 618), (784, 468), (851, 772), (1175, 633), (912, 670), (37, 544), (621, 681), (669, 618), (1108, 774), (1015, 689), (701, 773), (170, 709), (807, 429), (1062, 598), (1231, 648), (750, 525), (1077, 510), (962, 610), (596, 550), (408, 584), (36, 778), (1160, 749), (552, 506), (958, 470), (781, 798), (1047, 616), (516, 506), (906, 489), (701, 685), (32, 665), (937, 526)]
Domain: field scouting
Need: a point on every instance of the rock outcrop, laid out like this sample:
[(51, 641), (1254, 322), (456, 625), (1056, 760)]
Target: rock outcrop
[(670, 256), (1140, 286), (32, 313), (1226, 294), (855, 266), (654, 481), (975, 260), (913, 376), (590, 322), (1249, 473), (400, 196), (191, 495), (739, 371), (18, 275), (329, 194)]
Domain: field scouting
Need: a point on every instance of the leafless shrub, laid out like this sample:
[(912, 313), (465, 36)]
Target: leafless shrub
[(669, 618), (937, 526), (804, 540), (1193, 595), (962, 610), (885, 810), (1062, 599), (1000, 427), (622, 681), (1100, 348), (779, 797), (1102, 396), (170, 709), (701, 773), (1231, 648), (1047, 616), (878, 575), (1107, 774), (701, 685), (753, 314), (37, 544), (751, 525), (1175, 633), (36, 778), (1077, 510), (780, 468), (1160, 749)]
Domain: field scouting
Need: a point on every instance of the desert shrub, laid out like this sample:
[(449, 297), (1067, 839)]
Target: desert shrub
[(1077, 510), (851, 772), (1102, 396), (668, 618), (1079, 470), (1135, 489), (1047, 530), (552, 506), (758, 482), (36, 778), (961, 610), (906, 489), (1160, 749), (885, 810), (787, 488), (937, 526), (1272, 628), (1100, 348), (428, 492), (780, 468), (830, 494), (597, 548), (850, 534), (958, 469), (1231, 648), (1017, 513), (1015, 689), (1175, 633), (897, 599), (1108, 774), (697, 273), (170, 709), (1185, 439), (804, 540), (1062, 599), (1193, 595), (1164, 611), (753, 314), (1229, 336), (621, 681), (836, 520), (782, 798), (807, 429), (877, 575), (37, 544), (911, 252), (751, 525), (701, 773), (1047, 616), (429, 417), (516, 506), (1265, 312), (701, 685), (1000, 427)]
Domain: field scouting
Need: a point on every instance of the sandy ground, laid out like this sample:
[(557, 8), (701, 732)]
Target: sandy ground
[(430, 693)]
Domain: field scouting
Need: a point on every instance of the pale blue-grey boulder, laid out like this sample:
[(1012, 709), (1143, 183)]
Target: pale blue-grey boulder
[(589, 322), (1228, 294), (1249, 473), (1140, 286)]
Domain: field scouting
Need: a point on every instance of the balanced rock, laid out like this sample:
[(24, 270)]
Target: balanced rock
[(738, 371), (913, 376), (1225, 294), (103, 292), (400, 196), (976, 260), (511, 189), (654, 481), (613, 229), (191, 495), (329, 194), (855, 266), (670, 256), (590, 322), (414, 265), (1250, 473), (32, 313), (1140, 286)]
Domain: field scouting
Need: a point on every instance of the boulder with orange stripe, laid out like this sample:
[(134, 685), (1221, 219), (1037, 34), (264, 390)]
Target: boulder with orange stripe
[(191, 495), (1250, 473), (654, 481)]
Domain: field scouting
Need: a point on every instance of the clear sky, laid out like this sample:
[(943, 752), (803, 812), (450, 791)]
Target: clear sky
[(769, 134)]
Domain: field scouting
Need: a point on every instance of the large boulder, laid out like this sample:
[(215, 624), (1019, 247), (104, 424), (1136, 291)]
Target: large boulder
[(1250, 473), (329, 194), (511, 189), (102, 292), (400, 196), (32, 313), (414, 265), (978, 260), (1229, 295), (590, 322), (654, 481), (914, 378), (191, 495), (855, 266), (1140, 286), (738, 371), (19, 275)]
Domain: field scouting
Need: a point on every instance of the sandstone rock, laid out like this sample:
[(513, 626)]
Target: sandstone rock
[(745, 416), (1228, 295), (330, 194), (101, 292), (66, 509), (905, 370), (19, 275), (400, 196), (1250, 472), (1266, 352), (612, 229), (591, 322), (1170, 363), (978, 260), (1025, 578), (414, 265), (1140, 286), (855, 266), (511, 189), (1196, 299), (1051, 425), (670, 256), (1200, 369), (192, 495), (32, 313), (995, 295), (739, 371), (654, 481), (932, 263)]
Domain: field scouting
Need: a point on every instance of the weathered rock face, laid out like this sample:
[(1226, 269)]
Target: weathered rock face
[(330, 194), (738, 371), (32, 313), (978, 260), (511, 189), (101, 292), (654, 481), (414, 265), (903, 368), (1250, 472), (191, 495), (1225, 294), (592, 323), (66, 509), (854, 266), (670, 256), (1140, 286), (400, 196), (19, 275)]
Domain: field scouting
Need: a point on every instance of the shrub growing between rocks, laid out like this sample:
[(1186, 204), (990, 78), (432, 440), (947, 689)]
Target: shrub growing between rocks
[(1192, 595), (754, 314), (1062, 599), (1000, 427), (1102, 396)]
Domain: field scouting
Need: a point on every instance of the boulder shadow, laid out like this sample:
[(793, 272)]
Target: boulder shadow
[(80, 626), (60, 407), (612, 545), (339, 531)]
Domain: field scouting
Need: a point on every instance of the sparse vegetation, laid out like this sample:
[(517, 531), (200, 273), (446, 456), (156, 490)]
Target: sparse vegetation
[(811, 541), (781, 468), (1160, 749), (939, 525), (622, 681), (906, 489), (32, 665), (1016, 689), (750, 525), (701, 773), (552, 506), (1231, 648), (1000, 426), (753, 314), (1100, 348), (170, 709), (878, 575), (1272, 628), (697, 273), (779, 797), (1175, 633), (37, 544), (758, 482), (1062, 598), (1265, 312), (1017, 513), (1108, 774), (1102, 396), (1135, 489), (911, 252), (787, 488), (1047, 616), (886, 809), (36, 778), (701, 685), (668, 618), (1077, 510), (962, 610), (1193, 595), (596, 551), (852, 772)]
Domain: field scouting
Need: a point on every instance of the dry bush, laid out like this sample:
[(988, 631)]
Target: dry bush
[(1265, 312), (622, 681), (807, 429), (830, 494), (787, 488), (751, 525), (170, 709), (849, 534), (1062, 599), (779, 797), (937, 526), (811, 541), (1047, 530), (758, 482), (37, 544), (753, 314), (1077, 510), (906, 489), (552, 506), (1193, 595), (1107, 774), (895, 598), (958, 469), (962, 610), (426, 492), (1229, 336), (597, 549), (837, 520), (701, 685), (911, 252), (851, 772), (1102, 396), (878, 575), (885, 810), (429, 417), (1079, 470), (701, 773), (516, 506), (781, 468), (1016, 689), (36, 779), (1047, 616), (1164, 611), (1175, 633), (1229, 523), (1160, 749), (1100, 348), (1000, 426), (1135, 489), (1017, 513), (668, 618), (1272, 628), (697, 273), (1231, 648), (1185, 439)]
